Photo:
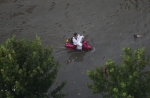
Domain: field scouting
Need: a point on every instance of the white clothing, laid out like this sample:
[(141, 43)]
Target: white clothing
[(78, 41), (74, 41)]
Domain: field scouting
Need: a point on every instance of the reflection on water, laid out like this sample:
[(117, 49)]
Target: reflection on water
[(6, 1), (66, 7), (52, 6), (76, 56), (16, 14), (19, 6), (135, 4), (31, 8)]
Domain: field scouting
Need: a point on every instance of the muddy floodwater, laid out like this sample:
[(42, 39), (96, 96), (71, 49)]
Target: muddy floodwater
[(108, 25)]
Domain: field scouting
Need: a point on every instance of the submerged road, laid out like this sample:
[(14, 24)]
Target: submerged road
[(108, 25)]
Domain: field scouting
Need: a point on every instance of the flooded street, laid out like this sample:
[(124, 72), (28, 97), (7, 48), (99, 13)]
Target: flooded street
[(108, 25)]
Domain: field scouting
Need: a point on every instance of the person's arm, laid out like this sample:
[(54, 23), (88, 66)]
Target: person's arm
[(79, 41), (78, 37), (74, 41)]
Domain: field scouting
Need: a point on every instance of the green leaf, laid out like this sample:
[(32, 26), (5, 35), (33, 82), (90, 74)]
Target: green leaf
[(126, 80)]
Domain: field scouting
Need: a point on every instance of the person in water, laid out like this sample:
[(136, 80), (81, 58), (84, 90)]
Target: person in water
[(74, 39), (137, 36), (77, 40)]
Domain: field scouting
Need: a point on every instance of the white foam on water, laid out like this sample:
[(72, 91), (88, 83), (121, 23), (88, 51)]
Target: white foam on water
[(93, 50)]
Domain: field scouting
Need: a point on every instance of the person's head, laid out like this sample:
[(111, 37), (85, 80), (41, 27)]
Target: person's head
[(75, 34)]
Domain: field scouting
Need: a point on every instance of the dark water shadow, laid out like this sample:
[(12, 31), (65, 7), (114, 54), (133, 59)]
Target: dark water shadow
[(75, 56), (135, 4), (7, 1)]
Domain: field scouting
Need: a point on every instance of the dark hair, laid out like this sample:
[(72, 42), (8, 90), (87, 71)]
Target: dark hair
[(75, 34)]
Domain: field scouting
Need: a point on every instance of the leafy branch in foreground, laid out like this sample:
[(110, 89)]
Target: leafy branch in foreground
[(131, 79), (27, 69)]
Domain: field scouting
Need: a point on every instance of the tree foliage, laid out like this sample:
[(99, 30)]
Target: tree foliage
[(27, 70), (131, 79)]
